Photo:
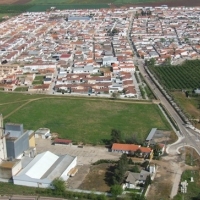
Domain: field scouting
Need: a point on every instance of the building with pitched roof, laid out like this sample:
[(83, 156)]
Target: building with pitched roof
[(44, 168)]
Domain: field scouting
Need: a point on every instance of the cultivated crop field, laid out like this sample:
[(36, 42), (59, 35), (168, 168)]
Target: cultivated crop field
[(185, 76), (83, 119)]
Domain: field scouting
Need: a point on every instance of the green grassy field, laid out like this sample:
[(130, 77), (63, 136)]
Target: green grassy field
[(38, 5), (84, 120), (193, 191)]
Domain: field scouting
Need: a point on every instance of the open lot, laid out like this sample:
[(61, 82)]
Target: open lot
[(85, 120), (86, 155), (97, 172)]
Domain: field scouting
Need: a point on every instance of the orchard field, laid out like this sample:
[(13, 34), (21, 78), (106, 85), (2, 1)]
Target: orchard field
[(185, 76)]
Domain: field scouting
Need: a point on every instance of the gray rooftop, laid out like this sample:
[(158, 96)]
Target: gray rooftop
[(151, 134)]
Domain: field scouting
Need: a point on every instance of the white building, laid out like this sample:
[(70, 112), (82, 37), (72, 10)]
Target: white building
[(44, 168)]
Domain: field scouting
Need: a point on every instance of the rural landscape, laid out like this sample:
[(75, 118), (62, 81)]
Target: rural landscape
[(99, 100)]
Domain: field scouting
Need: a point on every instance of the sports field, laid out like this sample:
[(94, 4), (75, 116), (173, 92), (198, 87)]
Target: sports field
[(82, 119)]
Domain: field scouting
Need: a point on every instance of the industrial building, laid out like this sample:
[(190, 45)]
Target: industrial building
[(17, 141), (30, 170), (44, 168)]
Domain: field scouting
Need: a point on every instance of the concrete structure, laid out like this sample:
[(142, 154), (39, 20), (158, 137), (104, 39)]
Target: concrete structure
[(42, 133), (8, 169), (17, 141), (3, 152), (150, 136), (31, 139), (44, 168)]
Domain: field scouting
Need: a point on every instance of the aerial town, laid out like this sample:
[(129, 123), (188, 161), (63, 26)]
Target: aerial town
[(91, 51), (98, 53)]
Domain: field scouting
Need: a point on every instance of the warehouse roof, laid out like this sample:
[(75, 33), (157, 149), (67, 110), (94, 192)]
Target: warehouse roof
[(45, 167)]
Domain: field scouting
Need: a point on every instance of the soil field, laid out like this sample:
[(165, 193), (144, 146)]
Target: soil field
[(98, 172), (170, 3), (7, 2)]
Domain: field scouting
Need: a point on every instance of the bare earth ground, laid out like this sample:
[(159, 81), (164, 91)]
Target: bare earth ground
[(168, 175), (170, 3), (14, 1), (97, 172)]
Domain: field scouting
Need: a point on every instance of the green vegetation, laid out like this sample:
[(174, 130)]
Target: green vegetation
[(44, 5), (149, 92), (193, 187), (21, 89), (116, 190), (185, 76), (89, 121), (38, 80), (10, 189), (120, 170), (142, 91)]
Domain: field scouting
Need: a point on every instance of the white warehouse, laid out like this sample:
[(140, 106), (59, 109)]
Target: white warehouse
[(44, 168)]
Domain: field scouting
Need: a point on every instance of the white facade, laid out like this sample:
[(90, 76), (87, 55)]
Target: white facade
[(44, 168), (64, 175), (3, 152)]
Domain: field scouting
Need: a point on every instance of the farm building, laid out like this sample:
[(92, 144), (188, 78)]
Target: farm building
[(17, 141), (44, 168), (62, 141), (42, 133), (132, 149)]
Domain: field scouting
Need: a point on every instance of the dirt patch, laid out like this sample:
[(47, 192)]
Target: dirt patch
[(75, 182), (167, 168), (98, 178), (170, 3), (14, 2)]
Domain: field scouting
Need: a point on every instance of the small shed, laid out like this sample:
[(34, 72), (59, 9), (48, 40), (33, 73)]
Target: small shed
[(151, 135), (43, 133), (62, 141)]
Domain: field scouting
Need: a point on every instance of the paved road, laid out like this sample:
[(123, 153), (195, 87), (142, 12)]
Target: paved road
[(186, 136)]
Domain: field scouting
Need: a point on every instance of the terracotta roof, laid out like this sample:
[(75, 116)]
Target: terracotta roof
[(130, 147), (62, 141), (125, 147)]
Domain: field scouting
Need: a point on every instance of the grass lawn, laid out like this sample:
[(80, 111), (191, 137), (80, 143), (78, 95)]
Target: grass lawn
[(38, 80), (13, 97), (193, 191), (21, 89), (188, 105), (84, 120)]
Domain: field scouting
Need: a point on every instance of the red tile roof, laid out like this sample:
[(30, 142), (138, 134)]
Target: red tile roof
[(62, 141), (130, 147)]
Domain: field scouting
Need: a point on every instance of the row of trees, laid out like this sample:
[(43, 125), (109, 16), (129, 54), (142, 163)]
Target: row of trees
[(116, 137)]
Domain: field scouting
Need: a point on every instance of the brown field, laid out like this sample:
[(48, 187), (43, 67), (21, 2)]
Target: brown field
[(98, 172), (173, 3), (170, 3), (6, 2)]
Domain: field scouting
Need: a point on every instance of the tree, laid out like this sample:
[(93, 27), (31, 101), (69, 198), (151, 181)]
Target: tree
[(115, 95), (116, 190), (116, 136), (135, 169), (59, 186), (121, 168)]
